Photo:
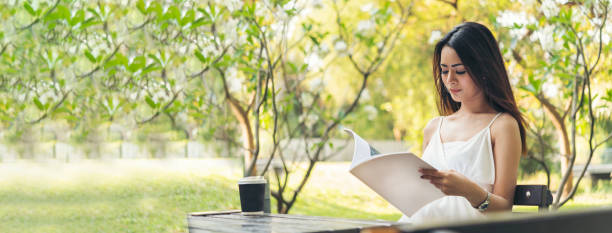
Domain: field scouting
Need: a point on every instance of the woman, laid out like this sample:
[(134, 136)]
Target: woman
[(476, 143)]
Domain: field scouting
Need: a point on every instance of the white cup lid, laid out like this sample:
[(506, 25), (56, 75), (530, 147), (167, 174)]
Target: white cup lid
[(252, 180)]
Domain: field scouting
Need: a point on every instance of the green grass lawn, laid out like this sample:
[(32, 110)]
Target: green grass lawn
[(156, 195), (108, 197)]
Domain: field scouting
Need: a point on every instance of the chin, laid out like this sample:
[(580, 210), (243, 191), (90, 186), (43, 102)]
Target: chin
[(456, 99)]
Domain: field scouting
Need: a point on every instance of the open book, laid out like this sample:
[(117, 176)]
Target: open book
[(393, 176)]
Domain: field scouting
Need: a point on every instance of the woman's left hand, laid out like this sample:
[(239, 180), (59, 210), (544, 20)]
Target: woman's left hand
[(450, 182)]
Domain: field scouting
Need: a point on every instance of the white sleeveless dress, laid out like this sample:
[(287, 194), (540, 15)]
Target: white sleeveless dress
[(472, 158)]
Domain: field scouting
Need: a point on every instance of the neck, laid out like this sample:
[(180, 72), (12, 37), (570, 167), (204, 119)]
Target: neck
[(475, 106)]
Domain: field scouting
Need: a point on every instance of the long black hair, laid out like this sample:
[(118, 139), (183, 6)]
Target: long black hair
[(477, 48)]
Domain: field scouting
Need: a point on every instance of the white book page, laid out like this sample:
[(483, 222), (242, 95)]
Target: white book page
[(394, 176)]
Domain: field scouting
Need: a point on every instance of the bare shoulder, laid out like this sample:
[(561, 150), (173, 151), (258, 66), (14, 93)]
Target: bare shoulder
[(431, 126), (505, 126), (429, 130)]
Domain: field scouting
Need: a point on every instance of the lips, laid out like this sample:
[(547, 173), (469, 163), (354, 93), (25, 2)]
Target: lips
[(455, 91)]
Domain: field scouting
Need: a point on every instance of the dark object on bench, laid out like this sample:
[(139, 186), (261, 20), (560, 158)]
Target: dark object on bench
[(533, 195)]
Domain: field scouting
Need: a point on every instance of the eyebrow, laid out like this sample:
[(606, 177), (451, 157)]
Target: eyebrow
[(453, 65)]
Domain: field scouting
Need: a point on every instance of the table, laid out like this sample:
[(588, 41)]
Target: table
[(590, 220), (234, 221)]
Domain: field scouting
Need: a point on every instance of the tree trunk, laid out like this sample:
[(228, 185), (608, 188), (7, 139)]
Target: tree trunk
[(564, 143), (247, 136)]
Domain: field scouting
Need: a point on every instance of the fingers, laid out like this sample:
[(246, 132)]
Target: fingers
[(430, 172)]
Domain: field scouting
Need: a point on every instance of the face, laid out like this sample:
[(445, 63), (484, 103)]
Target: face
[(455, 77)]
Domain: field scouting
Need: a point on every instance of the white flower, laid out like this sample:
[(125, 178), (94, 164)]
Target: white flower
[(518, 32), (546, 37), (181, 118), (369, 8), (317, 4), (313, 61), (549, 8), (510, 18), (365, 95), (366, 27), (340, 45), (133, 96), (260, 8), (309, 120), (435, 36), (289, 5), (387, 106), (527, 2), (550, 89), (230, 30), (48, 96), (307, 99), (159, 96), (234, 82), (316, 84), (232, 5), (323, 48), (371, 111), (277, 26)]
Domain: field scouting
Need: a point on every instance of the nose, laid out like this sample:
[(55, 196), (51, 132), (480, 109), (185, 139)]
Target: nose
[(451, 76)]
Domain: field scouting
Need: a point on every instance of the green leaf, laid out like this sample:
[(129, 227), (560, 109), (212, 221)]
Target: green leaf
[(155, 58), (140, 5), (199, 22), (39, 104), (62, 12), (29, 9), (91, 10), (172, 13), (77, 18), (138, 63), (150, 102), (187, 18), (62, 82), (155, 7), (90, 56), (89, 22), (200, 57)]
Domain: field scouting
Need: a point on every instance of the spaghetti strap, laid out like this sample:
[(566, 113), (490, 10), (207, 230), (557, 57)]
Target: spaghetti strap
[(490, 123), (440, 124)]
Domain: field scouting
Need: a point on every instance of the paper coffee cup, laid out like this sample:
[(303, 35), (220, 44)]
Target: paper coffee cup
[(252, 193)]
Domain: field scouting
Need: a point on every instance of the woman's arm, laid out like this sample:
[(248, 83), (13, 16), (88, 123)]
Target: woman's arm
[(506, 141)]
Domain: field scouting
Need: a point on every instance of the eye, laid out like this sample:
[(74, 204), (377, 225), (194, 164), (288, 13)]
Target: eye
[(460, 72), (444, 71)]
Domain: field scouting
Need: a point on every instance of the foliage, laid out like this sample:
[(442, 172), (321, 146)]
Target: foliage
[(99, 66), (559, 57)]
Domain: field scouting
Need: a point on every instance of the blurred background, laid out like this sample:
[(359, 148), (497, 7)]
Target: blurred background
[(126, 115)]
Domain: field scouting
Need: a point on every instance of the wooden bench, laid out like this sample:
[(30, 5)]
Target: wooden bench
[(596, 172)]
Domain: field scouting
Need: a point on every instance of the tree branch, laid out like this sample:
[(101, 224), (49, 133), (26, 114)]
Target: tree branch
[(176, 94), (98, 67), (55, 107), (38, 19)]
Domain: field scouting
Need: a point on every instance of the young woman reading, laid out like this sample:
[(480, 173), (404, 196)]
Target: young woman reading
[(476, 143)]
